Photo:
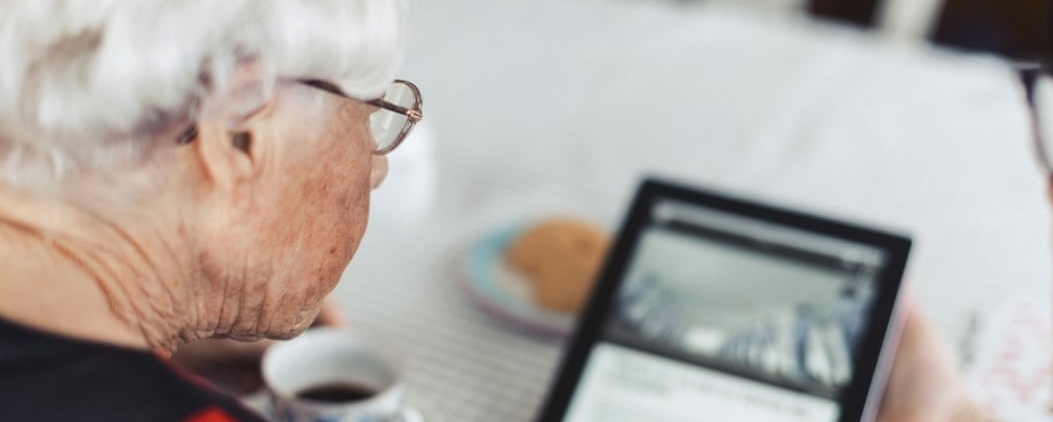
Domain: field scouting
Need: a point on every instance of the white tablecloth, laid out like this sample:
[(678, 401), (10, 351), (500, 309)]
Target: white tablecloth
[(538, 106)]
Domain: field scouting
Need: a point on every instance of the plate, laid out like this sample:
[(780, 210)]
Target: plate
[(502, 293)]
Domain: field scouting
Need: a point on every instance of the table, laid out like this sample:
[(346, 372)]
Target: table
[(537, 106)]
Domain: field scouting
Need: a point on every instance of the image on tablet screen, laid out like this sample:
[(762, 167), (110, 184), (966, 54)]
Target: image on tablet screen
[(748, 320)]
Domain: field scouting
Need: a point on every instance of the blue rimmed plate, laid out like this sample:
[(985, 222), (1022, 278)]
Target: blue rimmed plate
[(505, 294)]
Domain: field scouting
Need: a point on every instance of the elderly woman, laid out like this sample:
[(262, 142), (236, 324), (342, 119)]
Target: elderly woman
[(179, 170)]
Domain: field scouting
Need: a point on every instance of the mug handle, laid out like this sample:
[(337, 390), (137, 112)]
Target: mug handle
[(408, 414)]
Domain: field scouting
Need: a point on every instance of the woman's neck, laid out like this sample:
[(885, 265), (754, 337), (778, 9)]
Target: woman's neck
[(42, 289), (69, 273)]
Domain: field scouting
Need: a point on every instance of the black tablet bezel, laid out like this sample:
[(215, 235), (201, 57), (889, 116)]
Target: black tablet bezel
[(853, 402)]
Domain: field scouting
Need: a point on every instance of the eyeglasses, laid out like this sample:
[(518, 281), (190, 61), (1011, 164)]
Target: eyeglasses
[(1031, 76), (397, 112)]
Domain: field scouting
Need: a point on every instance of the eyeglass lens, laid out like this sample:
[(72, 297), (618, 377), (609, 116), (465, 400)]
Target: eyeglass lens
[(386, 125)]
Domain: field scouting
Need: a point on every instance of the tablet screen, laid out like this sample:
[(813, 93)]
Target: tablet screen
[(724, 317)]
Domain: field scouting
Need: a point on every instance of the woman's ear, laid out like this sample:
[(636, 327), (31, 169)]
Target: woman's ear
[(227, 135), (226, 159)]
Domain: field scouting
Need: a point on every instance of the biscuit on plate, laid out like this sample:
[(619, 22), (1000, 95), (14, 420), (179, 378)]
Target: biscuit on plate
[(561, 257)]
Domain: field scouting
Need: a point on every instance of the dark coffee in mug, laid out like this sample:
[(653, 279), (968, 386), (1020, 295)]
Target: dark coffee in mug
[(339, 392)]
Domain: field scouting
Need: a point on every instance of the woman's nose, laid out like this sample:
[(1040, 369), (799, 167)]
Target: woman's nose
[(379, 171)]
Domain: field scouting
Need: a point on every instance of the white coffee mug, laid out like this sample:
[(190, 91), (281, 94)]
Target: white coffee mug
[(335, 359)]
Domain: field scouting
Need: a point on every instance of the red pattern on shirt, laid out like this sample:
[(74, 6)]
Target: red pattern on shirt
[(212, 414)]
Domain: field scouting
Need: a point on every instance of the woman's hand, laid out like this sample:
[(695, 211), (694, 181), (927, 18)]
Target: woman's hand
[(925, 384)]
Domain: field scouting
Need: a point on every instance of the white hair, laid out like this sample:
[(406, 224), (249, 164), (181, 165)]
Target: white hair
[(85, 84)]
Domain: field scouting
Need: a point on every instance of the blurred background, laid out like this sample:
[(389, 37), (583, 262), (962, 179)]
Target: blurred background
[(900, 114), (1014, 29)]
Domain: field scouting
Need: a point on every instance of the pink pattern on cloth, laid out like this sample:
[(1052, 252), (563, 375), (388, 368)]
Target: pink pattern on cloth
[(1012, 370)]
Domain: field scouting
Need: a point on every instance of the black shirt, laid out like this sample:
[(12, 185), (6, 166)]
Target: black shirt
[(51, 378)]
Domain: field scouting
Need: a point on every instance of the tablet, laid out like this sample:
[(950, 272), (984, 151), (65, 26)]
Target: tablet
[(713, 308)]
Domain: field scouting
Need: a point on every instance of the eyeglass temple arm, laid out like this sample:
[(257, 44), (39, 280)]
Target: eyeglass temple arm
[(412, 114)]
